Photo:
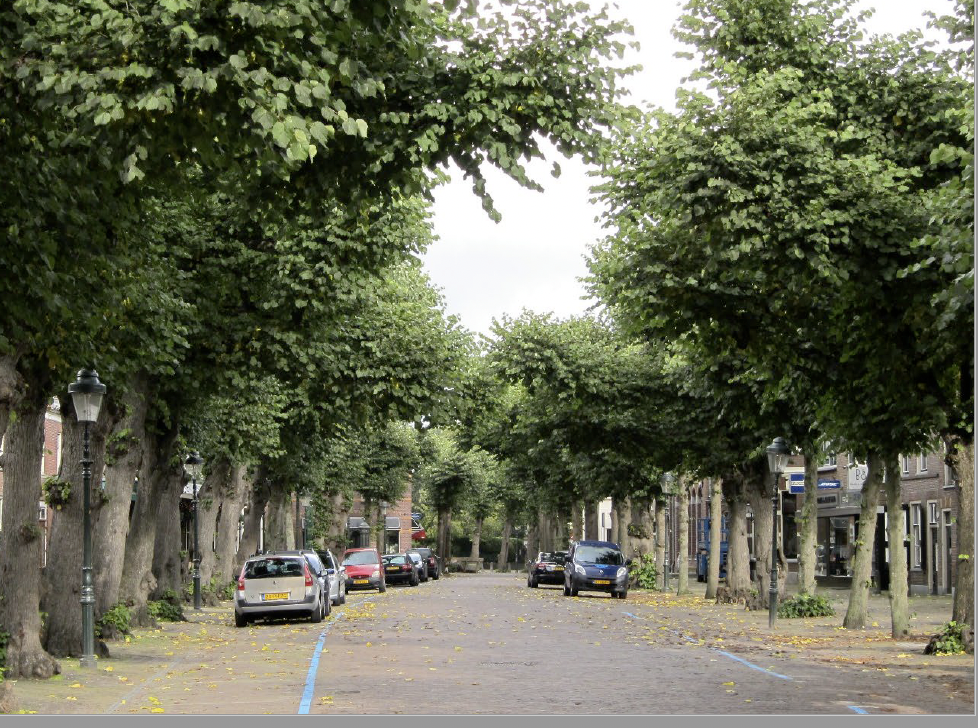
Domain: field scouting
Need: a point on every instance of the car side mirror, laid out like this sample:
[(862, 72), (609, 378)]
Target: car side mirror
[(330, 571)]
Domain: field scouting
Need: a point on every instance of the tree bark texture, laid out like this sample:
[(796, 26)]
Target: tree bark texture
[(591, 520), (577, 521), (21, 547), (545, 530), (63, 573), (963, 458), (533, 537), (716, 521), (856, 614), (170, 557), (279, 520), (759, 494), (660, 544), (444, 534), (138, 580), (738, 549), (476, 538), (504, 544), (641, 526), (226, 566), (212, 496), (682, 524), (899, 603), (807, 523), (11, 389), (251, 536), (123, 458)]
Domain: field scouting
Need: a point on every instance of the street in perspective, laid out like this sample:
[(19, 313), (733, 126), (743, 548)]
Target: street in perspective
[(473, 642)]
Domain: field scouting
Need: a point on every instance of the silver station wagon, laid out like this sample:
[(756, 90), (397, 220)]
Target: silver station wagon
[(278, 586)]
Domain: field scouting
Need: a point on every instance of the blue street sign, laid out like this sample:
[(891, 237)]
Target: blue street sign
[(796, 483)]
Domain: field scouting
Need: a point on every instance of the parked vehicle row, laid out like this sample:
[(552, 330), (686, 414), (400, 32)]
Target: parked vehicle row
[(309, 583), (586, 566)]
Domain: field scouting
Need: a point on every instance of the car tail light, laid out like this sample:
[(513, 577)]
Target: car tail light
[(305, 570), (405, 568)]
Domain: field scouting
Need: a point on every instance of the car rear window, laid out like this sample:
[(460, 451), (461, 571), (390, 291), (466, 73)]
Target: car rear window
[(358, 558), (395, 559), (270, 568)]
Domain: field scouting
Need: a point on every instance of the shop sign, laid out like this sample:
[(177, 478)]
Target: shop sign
[(796, 483), (829, 484), (857, 475), (828, 501)]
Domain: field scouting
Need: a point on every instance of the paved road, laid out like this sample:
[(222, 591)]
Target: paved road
[(486, 644)]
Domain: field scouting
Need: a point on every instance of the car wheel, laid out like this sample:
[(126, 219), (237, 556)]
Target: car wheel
[(240, 620), (327, 606), (534, 583), (622, 593), (567, 591), (383, 587), (317, 613), (435, 576), (573, 591)]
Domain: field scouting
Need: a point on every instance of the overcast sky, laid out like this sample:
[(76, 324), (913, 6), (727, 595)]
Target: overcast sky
[(535, 256)]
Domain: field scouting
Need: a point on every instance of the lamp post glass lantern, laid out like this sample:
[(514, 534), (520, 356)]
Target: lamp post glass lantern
[(193, 465), (86, 397), (777, 460)]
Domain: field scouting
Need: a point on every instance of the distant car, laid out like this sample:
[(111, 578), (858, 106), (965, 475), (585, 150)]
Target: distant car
[(596, 566), (547, 569), (400, 569), (419, 564), (363, 569), (279, 585), (337, 573), (429, 556)]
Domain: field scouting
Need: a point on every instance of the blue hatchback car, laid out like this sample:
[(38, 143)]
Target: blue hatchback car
[(596, 566)]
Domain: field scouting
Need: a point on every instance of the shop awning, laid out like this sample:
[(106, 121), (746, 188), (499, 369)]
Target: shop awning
[(355, 523), (393, 524)]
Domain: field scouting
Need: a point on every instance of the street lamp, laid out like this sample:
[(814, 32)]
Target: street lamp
[(666, 482), (777, 461), (86, 396), (194, 465)]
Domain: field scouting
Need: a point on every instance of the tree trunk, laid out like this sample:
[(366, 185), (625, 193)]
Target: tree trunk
[(533, 538), (63, 573), (123, 457), (808, 527), (856, 614), (963, 459), (226, 565), (738, 550), (336, 532), (759, 496), (622, 510), (504, 545), (577, 521), (545, 530), (476, 538), (251, 536), (212, 496), (899, 604), (640, 542), (12, 389), (138, 580), (444, 534), (660, 544), (279, 526), (170, 557), (716, 521), (591, 520), (682, 524), (21, 547)]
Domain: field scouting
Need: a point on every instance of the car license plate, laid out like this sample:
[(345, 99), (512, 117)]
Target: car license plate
[(272, 596), (558, 568), (361, 581), (602, 581), (393, 568)]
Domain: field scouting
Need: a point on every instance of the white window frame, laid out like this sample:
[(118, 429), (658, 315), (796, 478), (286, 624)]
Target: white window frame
[(57, 456), (922, 463), (932, 513), (915, 534), (905, 464)]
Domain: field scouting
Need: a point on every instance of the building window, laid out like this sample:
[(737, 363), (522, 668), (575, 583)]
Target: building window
[(915, 544), (922, 463), (932, 513), (57, 465), (905, 461), (830, 461)]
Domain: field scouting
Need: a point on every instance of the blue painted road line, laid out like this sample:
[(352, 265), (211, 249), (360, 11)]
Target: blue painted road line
[(854, 709), (310, 688), (727, 654)]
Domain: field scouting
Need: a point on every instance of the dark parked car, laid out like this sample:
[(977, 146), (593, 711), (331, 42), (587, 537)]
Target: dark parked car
[(596, 566), (400, 569), (363, 570), (547, 569), (429, 556), (420, 565)]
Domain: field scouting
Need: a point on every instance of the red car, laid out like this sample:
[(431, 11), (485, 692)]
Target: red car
[(363, 570)]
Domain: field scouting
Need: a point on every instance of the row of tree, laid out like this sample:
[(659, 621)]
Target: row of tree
[(220, 206)]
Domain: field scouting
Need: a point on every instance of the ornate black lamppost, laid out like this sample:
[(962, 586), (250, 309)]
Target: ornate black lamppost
[(86, 395), (777, 461), (666, 481), (194, 464)]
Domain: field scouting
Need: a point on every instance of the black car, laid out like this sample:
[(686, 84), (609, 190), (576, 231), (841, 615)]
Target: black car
[(429, 556), (547, 569), (399, 569), (419, 563)]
